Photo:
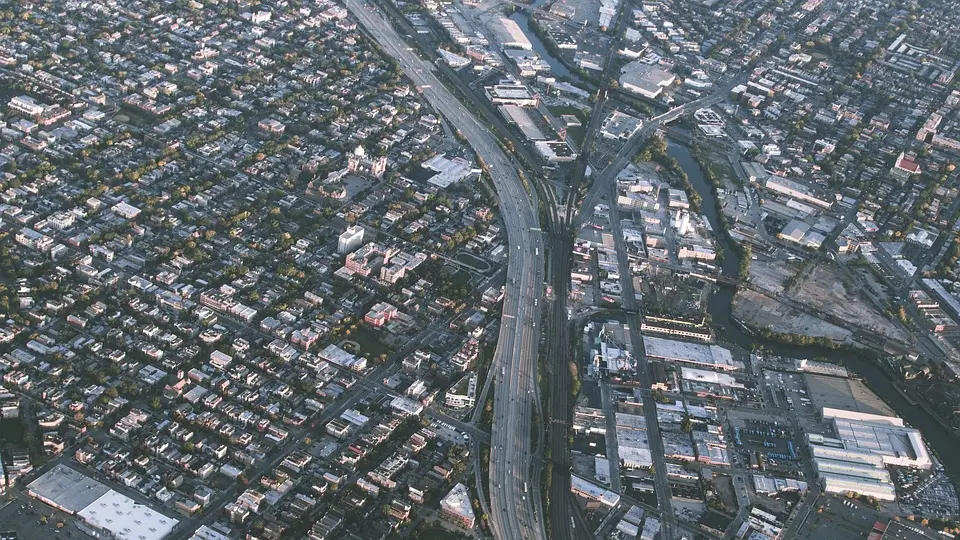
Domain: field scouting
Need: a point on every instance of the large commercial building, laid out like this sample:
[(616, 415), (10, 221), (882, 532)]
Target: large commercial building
[(866, 445), (508, 92), (645, 79), (697, 354), (99, 506)]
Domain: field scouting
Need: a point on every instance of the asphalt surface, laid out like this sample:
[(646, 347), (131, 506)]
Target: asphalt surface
[(655, 440), (511, 508), (609, 174)]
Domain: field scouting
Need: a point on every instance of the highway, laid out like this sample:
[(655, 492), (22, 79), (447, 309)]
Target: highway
[(512, 512)]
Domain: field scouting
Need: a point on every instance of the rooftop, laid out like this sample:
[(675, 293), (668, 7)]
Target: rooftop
[(67, 488)]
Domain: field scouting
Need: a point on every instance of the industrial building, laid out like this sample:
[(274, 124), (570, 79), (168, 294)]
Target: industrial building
[(795, 190), (645, 79), (865, 446), (634, 448), (509, 35), (709, 383), (610, 351), (698, 354), (593, 492), (99, 506)]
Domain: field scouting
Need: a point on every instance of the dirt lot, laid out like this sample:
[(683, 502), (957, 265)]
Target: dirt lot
[(825, 288), (723, 488), (760, 311), (772, 275)]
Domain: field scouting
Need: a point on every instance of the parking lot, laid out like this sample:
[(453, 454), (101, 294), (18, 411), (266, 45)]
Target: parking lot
[(33, 520), (840, 519), (768, 435)]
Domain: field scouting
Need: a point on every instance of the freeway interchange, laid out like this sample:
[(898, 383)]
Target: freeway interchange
[(514, 502)]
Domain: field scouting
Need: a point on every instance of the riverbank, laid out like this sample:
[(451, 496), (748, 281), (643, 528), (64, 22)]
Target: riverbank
[(863, 364)]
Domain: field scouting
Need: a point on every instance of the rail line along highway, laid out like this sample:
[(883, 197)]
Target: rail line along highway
[(511, 507)]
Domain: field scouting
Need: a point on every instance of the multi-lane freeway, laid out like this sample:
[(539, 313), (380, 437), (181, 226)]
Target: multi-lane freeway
[(513, 514)]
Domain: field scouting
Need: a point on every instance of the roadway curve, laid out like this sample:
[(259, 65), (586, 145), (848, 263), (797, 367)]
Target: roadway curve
[(512, 515)]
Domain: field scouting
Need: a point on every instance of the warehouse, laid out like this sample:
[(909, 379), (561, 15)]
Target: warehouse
[(699, 354), (509, 35), (795, 190), (645, 79), (99, 506), (865, 446), (709, 383)]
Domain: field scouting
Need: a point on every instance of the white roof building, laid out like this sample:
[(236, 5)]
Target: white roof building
[(645, 79), (508, 34), (457, 505), (865, 446), (710, 377), (126, 519), (449, 171), (406, 406), (710, 356), (586, 489)]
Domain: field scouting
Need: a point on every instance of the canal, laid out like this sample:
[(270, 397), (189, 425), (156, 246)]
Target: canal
[(556, 66), (860, 363)]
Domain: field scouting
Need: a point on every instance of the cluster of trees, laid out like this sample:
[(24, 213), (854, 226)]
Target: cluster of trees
[(795, 278), (798, 339), (655, 149), (660, 397), (574, 379), (949, 261)]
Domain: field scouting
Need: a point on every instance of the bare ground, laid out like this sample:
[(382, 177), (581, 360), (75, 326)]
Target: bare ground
[(825, 288), (759, 311)]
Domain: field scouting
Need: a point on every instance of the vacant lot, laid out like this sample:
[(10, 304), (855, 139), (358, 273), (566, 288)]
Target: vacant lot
[(772, 275), (825, 288), (762, 312)]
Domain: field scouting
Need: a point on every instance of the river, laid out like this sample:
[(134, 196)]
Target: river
[(520, 17), (861, 364)]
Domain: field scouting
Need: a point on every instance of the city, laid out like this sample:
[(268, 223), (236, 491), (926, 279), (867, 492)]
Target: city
[(509, 269)]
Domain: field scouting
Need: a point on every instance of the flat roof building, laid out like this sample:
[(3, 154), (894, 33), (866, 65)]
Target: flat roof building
[(456, 506), (126, 519), (795, 190), (700, 354), (101, 507), (588, 490), (645, 79), (66, 489), (509, 35), (865, 446)]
